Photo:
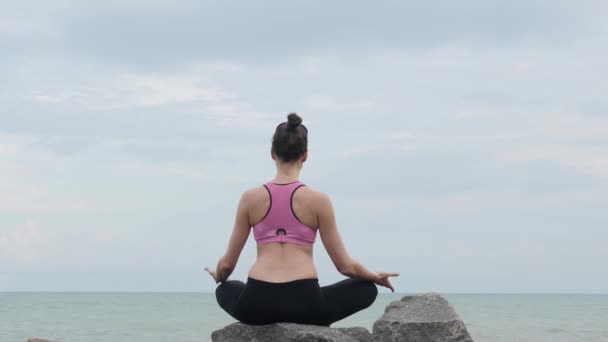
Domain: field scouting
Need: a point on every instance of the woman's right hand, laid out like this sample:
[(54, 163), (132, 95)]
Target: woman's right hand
[(382, 279)]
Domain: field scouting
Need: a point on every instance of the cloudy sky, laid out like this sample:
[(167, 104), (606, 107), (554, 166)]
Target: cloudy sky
[(464, 144)]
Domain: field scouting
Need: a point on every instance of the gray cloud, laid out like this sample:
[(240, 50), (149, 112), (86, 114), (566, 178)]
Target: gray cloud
[(162, 34)]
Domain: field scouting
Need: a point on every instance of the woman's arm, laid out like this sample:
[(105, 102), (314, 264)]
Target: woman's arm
[(239, 236), (334, 245)]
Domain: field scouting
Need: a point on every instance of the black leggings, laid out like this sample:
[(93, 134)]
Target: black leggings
[(298, 301)]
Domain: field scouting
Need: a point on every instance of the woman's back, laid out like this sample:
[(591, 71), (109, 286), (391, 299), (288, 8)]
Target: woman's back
[(278, 261)]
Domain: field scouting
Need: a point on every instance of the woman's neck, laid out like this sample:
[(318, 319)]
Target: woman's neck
[(287, 173)]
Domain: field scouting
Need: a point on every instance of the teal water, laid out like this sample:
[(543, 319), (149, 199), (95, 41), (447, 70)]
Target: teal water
[(189, 317)]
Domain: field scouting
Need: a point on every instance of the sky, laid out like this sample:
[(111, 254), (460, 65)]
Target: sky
[(463, 144)]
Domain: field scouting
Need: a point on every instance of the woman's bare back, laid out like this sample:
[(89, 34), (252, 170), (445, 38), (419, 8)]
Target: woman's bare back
[(281, 262)]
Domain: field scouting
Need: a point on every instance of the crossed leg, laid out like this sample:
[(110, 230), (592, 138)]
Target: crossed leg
[(349, 296), (343, 298), (228, 294)]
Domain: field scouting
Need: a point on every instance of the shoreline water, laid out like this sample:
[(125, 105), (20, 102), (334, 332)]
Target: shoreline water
[(192, 316)]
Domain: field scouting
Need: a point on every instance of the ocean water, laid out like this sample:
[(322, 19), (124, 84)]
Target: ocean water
[(189, 317)]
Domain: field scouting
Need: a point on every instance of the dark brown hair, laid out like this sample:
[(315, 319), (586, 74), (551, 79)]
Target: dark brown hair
[(290, 139)]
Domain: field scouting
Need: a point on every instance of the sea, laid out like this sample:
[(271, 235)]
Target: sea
[(191, 317)]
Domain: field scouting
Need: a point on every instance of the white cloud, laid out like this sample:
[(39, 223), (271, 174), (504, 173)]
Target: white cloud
[(22, 245), (236, 115), (20, 191), (357, 151), (190, 89), (571, 139), (154, 90), (134, 90)]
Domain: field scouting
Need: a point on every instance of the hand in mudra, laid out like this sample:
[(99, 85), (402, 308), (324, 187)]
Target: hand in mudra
[(382, 279), (213, 274)]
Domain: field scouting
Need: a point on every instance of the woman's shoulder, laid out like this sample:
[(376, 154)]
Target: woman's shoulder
[(254, 193), (315, 198)]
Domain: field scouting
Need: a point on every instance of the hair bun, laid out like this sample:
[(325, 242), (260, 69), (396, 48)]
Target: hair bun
[(293, 121)]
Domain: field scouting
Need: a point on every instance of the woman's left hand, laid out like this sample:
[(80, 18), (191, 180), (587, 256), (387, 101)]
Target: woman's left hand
[(213, 274)]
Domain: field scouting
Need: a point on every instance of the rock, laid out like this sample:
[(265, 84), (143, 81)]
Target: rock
[(289, 332), (420, 318), (37, 340)]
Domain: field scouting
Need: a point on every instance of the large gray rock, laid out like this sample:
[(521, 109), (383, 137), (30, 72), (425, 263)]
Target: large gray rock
[(289, 332), (420, 318)]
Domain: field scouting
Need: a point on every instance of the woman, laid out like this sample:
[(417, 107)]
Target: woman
[(282, 285)]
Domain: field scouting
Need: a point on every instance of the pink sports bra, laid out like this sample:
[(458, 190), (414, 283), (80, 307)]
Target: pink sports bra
[(280, 224)]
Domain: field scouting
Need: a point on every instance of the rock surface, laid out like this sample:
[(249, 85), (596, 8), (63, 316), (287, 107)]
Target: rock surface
[(420, 318), (289, 332)]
